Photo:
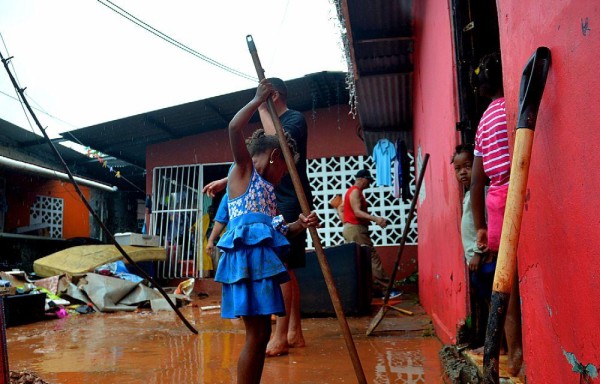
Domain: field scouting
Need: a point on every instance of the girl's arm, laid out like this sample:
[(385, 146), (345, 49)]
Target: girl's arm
[(242, 169), (478, 181)]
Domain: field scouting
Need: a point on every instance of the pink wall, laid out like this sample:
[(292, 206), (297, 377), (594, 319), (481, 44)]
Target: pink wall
[(559, 245), (442, 278)]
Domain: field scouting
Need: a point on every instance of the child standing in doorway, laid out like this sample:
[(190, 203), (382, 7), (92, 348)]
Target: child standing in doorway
[(480, 265), (251, 268)]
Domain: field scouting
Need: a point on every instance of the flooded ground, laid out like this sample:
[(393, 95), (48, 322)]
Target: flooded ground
[(156, 348)]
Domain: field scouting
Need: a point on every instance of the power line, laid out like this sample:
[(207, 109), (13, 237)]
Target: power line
[(123, 13)]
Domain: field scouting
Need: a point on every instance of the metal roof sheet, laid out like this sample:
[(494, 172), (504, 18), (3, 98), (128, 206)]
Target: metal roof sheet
[(23, 145), (380, 37), (128, 137)]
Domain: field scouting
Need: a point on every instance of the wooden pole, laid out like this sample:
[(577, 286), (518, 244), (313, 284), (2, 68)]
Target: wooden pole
[(289, 159), (383, 310), (532, 88), (4, 370)]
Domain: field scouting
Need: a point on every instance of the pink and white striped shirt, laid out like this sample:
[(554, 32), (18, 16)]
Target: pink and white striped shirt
[(491, 143)]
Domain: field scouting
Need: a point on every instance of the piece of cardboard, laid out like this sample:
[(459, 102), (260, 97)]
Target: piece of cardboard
[(138, 239), (85, 258)]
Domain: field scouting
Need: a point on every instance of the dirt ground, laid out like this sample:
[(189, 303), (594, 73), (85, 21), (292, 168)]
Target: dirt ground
[(155, 348)]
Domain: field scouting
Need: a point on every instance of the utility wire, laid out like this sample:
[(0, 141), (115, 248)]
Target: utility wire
[(121, 12), (17, 93), (86, 202)]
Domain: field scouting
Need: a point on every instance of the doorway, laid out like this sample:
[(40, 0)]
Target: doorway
[(476, 34), (178, 216)]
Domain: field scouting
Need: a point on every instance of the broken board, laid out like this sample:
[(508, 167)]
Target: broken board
[(85, 258)]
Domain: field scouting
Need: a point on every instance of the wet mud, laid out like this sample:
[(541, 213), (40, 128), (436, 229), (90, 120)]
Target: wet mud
[(156, 348)]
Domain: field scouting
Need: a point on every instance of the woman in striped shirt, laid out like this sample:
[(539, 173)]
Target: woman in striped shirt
[(492, 163)]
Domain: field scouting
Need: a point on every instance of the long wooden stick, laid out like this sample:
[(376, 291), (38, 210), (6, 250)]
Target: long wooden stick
[(532, 88), (383, 310), (85, 201), (289, 159), (4, 370)]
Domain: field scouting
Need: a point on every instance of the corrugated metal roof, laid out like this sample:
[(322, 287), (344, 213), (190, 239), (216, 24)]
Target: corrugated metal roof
[(128, 137), (23, 145), (380, 33)]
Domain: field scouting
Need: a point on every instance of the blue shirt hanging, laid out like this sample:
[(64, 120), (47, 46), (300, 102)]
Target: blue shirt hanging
[(383, 154)]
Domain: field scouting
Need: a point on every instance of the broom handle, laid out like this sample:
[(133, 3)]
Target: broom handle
[(411, 213), (533, 81), (306, 211)]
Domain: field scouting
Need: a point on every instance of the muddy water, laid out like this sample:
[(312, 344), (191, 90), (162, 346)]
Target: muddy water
[(156, 348)]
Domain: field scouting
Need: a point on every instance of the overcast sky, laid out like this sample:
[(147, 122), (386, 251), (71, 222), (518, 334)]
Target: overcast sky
[(84, 64)]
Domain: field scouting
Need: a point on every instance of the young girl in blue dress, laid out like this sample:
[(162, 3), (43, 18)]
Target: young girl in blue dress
[(251, 268)]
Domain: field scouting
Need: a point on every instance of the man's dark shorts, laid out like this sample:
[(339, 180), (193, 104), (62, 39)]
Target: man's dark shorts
[(297, 256)]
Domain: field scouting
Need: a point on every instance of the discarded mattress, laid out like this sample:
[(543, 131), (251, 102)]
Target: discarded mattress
[(84, 258)]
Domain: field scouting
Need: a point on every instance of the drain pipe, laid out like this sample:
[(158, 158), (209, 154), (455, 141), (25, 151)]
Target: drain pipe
[(37, 170)]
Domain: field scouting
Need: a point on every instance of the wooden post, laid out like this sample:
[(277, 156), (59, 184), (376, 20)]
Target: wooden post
[(532, 88), (289, 159), (4, 371)]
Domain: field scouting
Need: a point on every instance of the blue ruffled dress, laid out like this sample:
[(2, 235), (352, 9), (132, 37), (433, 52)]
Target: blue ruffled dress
[(251, 268)]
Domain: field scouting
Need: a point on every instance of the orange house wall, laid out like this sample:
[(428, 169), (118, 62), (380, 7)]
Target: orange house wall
[(21, 194)]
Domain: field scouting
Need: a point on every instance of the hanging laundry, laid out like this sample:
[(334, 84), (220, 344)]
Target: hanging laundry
[(383, 153), (401, 171), (397, 172)]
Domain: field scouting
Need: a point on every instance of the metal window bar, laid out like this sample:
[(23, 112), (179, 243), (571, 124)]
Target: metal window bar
[(177, 219)]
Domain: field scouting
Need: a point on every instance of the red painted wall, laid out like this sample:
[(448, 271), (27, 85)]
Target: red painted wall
[(442, 278), (559, 245), (331, 132)]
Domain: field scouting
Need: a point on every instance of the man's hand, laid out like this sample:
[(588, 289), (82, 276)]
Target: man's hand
[(214, 187), (381, 221), (309, 221)]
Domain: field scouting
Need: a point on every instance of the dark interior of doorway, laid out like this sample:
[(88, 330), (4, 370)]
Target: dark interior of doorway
[(212, 172), (476, 34)]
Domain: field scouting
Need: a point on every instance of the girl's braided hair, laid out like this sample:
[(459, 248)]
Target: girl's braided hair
[(466, 148), (260, 142)]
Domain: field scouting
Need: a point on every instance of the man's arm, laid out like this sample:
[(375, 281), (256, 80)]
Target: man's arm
[(265, 119), (360, 214), (214, 187)]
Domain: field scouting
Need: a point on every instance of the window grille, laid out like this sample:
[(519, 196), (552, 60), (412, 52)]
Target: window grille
[(331, 176), (48, 210), (177, 207)]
